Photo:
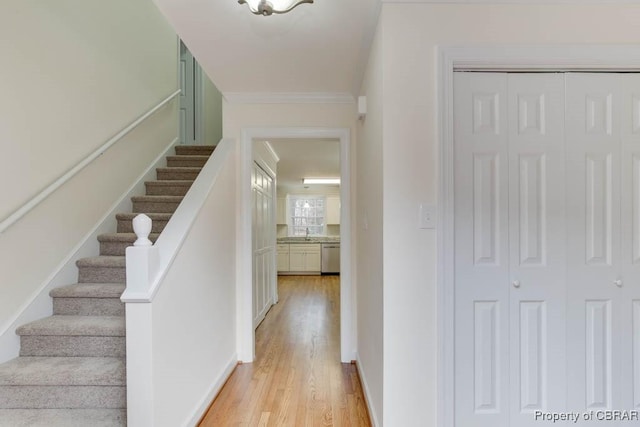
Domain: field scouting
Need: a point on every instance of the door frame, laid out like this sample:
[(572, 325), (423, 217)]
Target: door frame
[(244, 267), (500, 58)]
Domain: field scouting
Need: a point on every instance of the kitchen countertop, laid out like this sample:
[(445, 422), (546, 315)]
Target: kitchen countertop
[(328, 239)]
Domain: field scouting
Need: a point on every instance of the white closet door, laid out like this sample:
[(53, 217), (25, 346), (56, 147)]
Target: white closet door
[(481, 250), (537, 246), (264, 251), (510, 248), (630, 242), (594, 331)]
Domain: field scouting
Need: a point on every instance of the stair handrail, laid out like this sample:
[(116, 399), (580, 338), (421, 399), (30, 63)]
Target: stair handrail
[(38, 198)]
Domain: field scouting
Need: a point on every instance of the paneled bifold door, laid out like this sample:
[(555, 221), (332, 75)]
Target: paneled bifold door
[(264, 251), (547, 246)]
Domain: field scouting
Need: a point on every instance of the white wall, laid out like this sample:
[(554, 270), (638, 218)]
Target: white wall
[(194, 342), (212, 113), (369, 226), (410, 37), (76, 73)]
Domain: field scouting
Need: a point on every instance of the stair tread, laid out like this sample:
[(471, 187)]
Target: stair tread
[(157, 216), (171, 199), (89, 290), (124, 237), (63, 417), (188, 156), (195, 147), (180, 168), (63, 371), (170, 182), (75, 325), (102, 261)]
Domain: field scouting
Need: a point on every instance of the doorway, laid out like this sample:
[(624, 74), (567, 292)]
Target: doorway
[(246, 333)]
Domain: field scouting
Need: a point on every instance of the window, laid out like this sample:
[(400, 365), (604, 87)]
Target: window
[(306, 213)]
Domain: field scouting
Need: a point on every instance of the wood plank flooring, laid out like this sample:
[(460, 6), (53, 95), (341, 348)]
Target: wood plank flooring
[(297, 378)]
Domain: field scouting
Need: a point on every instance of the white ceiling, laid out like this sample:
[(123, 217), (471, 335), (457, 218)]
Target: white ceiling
[(315, 48), (312, 158)]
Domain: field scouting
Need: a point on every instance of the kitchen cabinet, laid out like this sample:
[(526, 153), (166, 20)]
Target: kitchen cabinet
[(333, 210), (304, 257), (281, 210), (283, 257)]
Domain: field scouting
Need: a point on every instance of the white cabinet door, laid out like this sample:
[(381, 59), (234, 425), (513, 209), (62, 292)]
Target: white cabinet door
[(281, 210), (333, 210), (283, 257), (312, 260), (296, 258)]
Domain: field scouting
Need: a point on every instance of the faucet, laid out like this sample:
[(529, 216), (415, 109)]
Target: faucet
[(306, 237)]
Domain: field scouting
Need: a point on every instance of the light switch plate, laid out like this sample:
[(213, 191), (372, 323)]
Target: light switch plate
[(428, 216)]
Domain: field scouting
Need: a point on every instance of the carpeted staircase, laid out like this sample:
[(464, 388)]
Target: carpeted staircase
[(71, 369)]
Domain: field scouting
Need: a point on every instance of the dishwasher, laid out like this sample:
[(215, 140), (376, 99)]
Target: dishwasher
[(330, 258)]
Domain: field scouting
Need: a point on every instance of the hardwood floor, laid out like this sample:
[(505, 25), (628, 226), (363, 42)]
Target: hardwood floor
[(297, 378)]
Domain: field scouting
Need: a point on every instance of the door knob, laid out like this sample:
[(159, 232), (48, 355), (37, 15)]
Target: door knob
[(516, 283), (618, 282)]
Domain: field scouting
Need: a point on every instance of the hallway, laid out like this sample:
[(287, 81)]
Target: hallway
[(297, 378)]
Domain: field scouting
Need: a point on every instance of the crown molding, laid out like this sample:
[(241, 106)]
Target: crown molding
[(288, 98)]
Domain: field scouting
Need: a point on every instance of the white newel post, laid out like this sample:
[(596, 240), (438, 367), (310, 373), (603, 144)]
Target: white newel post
[(142, 268)]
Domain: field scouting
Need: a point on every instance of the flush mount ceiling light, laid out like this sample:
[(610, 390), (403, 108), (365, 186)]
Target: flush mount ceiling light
[(269, 7), (321, 180)]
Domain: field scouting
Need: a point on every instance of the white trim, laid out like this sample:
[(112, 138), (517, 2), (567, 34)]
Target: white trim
[(35, 201), (491, 58), (198, 93), (215, 388), (272, 151), (288, 98), (373, 416), (39, 304), (246, 334)]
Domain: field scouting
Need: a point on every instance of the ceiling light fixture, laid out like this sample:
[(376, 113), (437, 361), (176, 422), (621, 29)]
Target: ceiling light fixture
[(269, 7), (321, 180)]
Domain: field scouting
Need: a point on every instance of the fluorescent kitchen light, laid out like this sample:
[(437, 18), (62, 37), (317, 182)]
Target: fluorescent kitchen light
[(321, 181)]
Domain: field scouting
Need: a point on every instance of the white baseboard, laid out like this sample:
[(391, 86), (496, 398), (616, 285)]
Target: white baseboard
[(40, 304), (365, 389), (215, 388)]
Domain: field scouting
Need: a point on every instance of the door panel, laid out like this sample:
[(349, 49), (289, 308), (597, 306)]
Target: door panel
[(481, 241), (593, 123), (537, 259), (264, 251)]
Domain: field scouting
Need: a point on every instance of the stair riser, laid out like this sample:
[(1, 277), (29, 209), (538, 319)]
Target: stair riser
[(125, 226), (194, 151), (167, 190), (88, 306), (102, 275), (155, 207), (176, 175), (72, 346), (41, 397), (114, 248), (185, 163)]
